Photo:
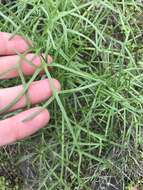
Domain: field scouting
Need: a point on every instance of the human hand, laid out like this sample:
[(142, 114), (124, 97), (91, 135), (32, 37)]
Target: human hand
[(13, 129)]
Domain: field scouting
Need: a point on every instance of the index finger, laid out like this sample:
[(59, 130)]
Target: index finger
[(9, 46)]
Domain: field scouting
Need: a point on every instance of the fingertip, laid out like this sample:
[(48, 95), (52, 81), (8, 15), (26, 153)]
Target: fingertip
[(42, 117), (45, 116), (38, 121), (57, 84), (49, 59)]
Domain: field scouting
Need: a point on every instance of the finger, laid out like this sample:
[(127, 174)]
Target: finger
[(38, 91), (10, 46), (28, 65), (13, 129)]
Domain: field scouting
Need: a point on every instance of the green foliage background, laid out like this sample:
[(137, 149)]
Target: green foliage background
[(96, 126)]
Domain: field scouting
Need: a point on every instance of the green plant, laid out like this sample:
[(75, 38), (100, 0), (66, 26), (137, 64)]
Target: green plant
[(96, 125)]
